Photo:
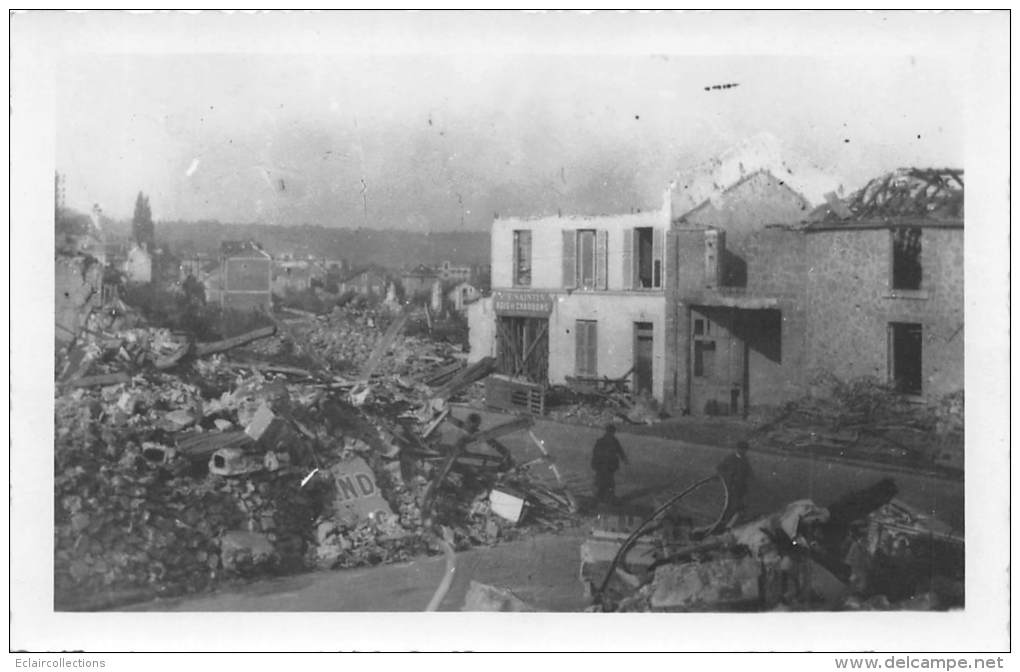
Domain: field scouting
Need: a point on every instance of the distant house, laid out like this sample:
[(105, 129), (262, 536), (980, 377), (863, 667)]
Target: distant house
[(462, 294), (371, 281), (418, 281), (295, 276), (449, 273), (138, 266), (246, 276)]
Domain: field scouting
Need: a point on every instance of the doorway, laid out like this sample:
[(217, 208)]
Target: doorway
[(905, 364), (718, 381), (644, 348), (523, 348)]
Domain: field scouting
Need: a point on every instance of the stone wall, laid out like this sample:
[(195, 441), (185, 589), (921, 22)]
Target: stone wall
[(78, 284), (851, 303), (833, 291), (615, 314)]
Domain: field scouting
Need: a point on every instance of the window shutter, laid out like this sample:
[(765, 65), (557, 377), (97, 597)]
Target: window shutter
[(628, 258), (657, 265), (569, 259), (585, 348), (601, 254), (580, 347)]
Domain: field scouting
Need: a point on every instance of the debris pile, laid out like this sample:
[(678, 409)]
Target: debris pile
[(863, 419), (178, 466), (596, 405), (866, 550)]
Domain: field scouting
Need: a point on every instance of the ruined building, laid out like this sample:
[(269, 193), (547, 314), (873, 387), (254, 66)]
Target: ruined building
[(737, 293), (870, 287)]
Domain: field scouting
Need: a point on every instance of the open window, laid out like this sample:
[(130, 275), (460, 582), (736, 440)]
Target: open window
[(642, 258), (906, 258), (522, 258), (905, 361)]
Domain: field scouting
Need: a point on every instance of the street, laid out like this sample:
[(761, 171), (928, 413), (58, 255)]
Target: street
[(542, 570)]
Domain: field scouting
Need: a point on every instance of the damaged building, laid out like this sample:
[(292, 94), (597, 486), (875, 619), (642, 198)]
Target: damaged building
[(868, 288), (737, 293), (578, 298)]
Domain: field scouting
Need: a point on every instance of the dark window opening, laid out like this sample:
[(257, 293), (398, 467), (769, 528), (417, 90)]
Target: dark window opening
[(522, 257), (643, 239), (906, 258), (704, 358), (699, 327), (905, 367)]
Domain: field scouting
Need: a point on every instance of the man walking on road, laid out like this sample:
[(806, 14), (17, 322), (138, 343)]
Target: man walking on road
[(735, 470), (605, 460)]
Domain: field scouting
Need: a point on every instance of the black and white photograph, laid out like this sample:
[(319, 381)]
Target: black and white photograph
[(652, 328)]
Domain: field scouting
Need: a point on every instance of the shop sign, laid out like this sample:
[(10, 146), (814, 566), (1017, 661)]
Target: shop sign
[(522, 304)]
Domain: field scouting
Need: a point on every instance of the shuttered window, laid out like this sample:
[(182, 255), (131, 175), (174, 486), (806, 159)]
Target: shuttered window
[(586, 348), (522, 258), (585, 255), (569, 259)]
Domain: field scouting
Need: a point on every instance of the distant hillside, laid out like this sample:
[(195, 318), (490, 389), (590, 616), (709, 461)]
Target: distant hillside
[(393, 249)]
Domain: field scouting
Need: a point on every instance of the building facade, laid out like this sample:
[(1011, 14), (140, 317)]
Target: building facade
[(461, 295), (246, 277), (760, 315), (580, 298)]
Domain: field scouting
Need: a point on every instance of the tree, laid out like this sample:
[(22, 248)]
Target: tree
[(142, 228)]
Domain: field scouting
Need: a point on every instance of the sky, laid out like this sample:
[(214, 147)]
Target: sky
[(444, 141)]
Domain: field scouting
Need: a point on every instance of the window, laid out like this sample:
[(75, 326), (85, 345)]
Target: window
[(522, 258), (905, 364), (906, 258), (584, 259), (586, 348), (642, 258)]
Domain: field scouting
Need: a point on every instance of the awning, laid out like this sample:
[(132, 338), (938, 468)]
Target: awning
[(732, 301)]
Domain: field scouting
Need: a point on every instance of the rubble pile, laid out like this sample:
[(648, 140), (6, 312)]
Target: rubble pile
[(865, 420), (591, 407), (178, 466), (865, 551)]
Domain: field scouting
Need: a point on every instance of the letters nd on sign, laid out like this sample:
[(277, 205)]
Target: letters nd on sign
[(357, 494), (524, 304)]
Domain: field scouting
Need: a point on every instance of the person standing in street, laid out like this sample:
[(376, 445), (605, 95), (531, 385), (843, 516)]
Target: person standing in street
[(605, 460), (735, 470)]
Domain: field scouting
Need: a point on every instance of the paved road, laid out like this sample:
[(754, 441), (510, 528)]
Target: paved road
[(661, 467), (542, 570)]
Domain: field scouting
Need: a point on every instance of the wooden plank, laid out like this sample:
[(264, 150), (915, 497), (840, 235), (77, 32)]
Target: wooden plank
[(100, 380), (492, 433), (203, 349), (473, 373), (382, 345), (270, 368), (531, 348)]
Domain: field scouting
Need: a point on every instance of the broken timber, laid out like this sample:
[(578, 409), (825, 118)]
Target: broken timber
[(382, 345), (203, 349), (100, 380), (465, 378)]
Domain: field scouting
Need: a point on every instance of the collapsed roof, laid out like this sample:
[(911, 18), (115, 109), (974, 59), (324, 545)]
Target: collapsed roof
[(929, 193)]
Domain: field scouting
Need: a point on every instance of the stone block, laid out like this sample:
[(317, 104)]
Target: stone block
[(718, 584), (240, 550), (234, 462), (483, 597)]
